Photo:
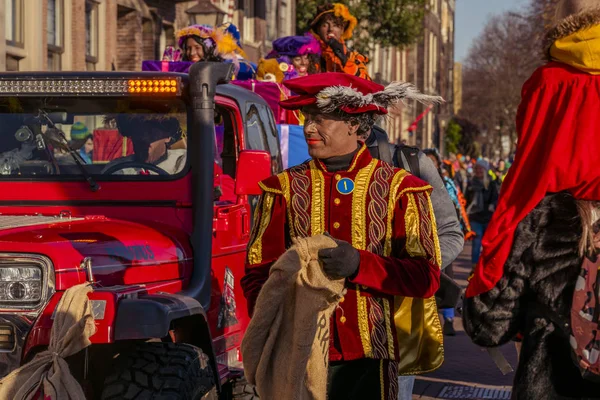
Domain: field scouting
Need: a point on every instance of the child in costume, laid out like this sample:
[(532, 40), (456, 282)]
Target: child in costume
[(331, 27), (296, 55)]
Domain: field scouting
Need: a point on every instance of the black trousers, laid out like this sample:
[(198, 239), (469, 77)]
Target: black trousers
[(363, 379)]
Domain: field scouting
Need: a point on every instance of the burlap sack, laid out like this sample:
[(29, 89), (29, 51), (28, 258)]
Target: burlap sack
[(48, 371), (286, 346)]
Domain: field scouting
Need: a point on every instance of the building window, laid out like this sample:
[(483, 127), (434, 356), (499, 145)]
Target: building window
[(249, 21), (54, 34), (91, 34), (13, 23)]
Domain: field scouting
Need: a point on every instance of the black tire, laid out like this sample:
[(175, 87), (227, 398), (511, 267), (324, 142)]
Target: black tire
[(160, 371)]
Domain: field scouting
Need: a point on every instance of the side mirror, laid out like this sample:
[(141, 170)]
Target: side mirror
[(253, 166)]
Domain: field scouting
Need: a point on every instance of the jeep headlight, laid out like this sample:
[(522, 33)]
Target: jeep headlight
[(20, 284)]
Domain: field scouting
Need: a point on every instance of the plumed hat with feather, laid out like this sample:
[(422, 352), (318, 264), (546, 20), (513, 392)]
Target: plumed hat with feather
[(333, 91)]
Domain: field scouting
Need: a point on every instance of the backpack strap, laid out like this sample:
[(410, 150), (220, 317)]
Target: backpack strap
[(411, 156), (383, 144)]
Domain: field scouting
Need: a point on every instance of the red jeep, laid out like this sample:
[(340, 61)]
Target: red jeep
[(161, 232)]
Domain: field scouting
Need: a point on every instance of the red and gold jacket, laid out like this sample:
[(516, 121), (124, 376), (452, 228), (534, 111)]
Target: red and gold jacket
[(382, 211)]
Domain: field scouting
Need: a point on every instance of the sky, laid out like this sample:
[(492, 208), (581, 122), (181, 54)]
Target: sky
[(470, 18)]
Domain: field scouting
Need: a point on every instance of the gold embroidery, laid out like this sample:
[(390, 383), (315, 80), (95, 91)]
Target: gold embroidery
[(363, 323), (379, 190), (284, 181), (317, 223), (268, 189), (255, 250), (388, 327), (412, 225), (381, 380), (359, 199), (356, 157), (378, 330), (414, 189), (427, 240), (300, 199), (436, 239), (392, 199)]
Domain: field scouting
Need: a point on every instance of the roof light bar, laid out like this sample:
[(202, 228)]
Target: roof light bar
[(94, 87)]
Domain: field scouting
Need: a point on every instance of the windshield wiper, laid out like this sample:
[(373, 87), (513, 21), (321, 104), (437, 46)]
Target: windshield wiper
[(93, 185)]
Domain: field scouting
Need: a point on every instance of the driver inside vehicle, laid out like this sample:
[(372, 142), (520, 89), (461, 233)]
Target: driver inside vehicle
[(154, 142)]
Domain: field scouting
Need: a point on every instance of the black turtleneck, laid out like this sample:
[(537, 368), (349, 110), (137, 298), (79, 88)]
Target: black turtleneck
[(339, 163)]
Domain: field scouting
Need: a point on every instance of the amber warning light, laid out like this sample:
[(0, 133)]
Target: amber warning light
[(94, 87)]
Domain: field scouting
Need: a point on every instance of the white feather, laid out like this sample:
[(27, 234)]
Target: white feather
[(334, 97)]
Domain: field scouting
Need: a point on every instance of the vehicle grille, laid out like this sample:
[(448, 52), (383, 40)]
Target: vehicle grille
[(7, 337)]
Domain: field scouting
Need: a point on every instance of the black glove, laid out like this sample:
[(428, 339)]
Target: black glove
[(338, 50), (341, 261)]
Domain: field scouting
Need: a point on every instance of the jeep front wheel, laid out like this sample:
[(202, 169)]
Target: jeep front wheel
[(160, 371)]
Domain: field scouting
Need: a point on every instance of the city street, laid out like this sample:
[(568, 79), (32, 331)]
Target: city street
[(468, 371)]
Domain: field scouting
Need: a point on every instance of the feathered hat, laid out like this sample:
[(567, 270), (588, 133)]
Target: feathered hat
[(218, 40), (339, 10), (333, 91), (293, 46)]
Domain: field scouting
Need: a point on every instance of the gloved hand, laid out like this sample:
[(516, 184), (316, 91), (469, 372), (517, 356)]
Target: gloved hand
[(338, 50), (341, 261)]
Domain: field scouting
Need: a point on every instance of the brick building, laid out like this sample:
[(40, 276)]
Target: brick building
[(435, 71), (119, 34), (429, 64)]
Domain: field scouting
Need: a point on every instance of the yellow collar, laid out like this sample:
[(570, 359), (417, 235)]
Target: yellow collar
[(580, 50)]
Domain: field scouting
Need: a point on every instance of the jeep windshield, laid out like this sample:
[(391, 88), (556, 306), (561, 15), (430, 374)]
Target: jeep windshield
[(112, 138)]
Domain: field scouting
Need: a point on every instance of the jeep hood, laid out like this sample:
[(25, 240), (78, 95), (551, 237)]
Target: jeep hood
[(122, 252)]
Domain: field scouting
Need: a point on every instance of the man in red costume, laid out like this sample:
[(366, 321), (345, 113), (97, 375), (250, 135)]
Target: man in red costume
[(380, 216), (558, 123)]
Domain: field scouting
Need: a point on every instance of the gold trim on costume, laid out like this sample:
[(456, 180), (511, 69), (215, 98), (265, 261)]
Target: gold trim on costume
[(255, 250), (392, 200), (436, 239), (363, 323), (359, 199), (268, 189), (427, 228), (379, 191), (356, 157), (413, 226), (414, 189), (317, 223), (388, 327), (381, 380), (300, 199), (284, 182)]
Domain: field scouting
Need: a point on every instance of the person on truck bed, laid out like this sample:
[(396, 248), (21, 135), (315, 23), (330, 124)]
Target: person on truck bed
[(205, 43), (331, 27), (380, 216), (295, 55)]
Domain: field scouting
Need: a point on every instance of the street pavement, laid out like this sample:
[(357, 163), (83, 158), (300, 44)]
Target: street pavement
[(468, 371)]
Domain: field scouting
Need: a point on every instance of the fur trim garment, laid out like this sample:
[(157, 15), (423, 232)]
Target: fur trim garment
[(568, 26), (539, 280)]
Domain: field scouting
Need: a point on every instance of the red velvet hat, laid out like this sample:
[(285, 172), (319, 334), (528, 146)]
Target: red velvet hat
[(340, 91)]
